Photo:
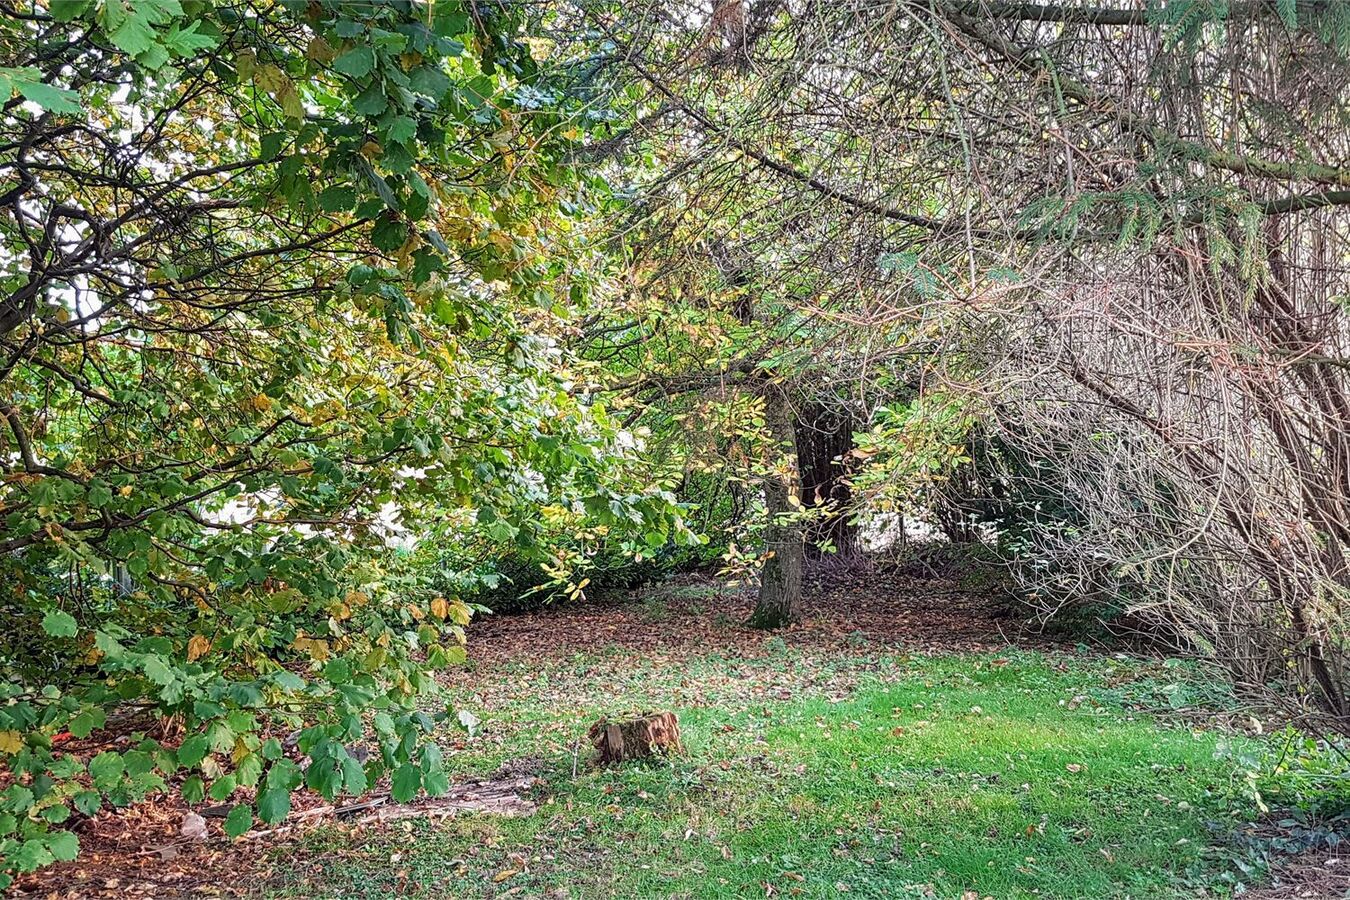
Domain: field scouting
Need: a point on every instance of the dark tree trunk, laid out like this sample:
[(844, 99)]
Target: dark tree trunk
[(824, 440), (780, 583)]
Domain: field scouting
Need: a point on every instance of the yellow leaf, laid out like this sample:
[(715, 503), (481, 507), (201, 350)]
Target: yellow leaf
[(320, 50), (416, 613), (404, 253), (198, 647), (460, 613), (439, 608), (504, 874), (11, 741), (316, 649), (246, 62)]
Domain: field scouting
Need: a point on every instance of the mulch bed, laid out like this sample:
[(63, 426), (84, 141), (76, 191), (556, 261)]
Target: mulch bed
[(1319, 875)]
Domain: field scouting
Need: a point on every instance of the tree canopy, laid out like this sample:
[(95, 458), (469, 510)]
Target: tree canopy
[(283, 283)]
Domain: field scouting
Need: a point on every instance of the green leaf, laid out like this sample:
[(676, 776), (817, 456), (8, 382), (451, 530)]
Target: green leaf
[(154, 57), (99, 493), (68, 10), (355, 62), (238, 821), (434, 778), (193, 750), (88, 802), (157, 670), (372, 101), (109, 645), (1288, 13), (338, 198), (456, 655), (18, 798), (60, 624), (223, 787), (134, 35), (389, 234), (64, 846), (353, 775), (274, 804), (106, 770), (52, 99), (249, 770), (82, 725), (325, 777), (33, 854), (56, 814), (401, 129), (284, 775), (186, 42), (431, 81), (406, 781), (337, 670), (194, 791), (270, 144)]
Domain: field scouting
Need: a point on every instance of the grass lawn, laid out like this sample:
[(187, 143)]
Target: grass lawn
[(857, 770)]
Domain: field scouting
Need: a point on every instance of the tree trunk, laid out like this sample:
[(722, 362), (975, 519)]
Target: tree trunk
[(780, 583), (825, 435)]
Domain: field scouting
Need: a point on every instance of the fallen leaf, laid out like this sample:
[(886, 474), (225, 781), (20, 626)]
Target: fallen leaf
[(193, 827)]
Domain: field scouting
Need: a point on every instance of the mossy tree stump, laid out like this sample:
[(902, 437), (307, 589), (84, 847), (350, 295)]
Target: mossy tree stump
[(644, 737)]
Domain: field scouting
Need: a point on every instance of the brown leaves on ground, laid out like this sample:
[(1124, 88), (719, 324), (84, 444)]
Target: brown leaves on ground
[(696, 613), (141, 852)]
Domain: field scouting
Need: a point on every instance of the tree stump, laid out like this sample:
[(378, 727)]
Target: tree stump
[(646, 736)]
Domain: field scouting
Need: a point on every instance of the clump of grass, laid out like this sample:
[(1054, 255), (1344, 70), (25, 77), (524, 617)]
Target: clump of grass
[(654, 610)]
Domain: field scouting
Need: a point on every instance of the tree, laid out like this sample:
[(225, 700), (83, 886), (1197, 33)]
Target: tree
[(1121, 228), (740, 277), (280, 284), (780, 581), (1117, 230)]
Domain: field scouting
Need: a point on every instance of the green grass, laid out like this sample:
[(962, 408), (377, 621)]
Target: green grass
[(821, 775)]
